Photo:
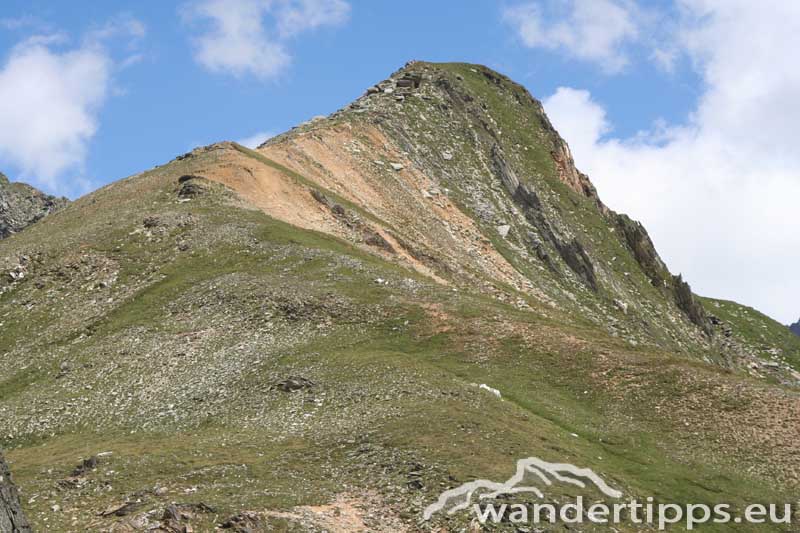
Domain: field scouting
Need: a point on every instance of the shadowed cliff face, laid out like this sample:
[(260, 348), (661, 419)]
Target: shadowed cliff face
[(21, 205), (12, 520), (795, 328)]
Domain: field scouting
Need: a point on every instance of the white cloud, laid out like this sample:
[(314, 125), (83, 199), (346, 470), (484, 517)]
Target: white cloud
[(294, 17), (16, 23), (48, 107), (249, 37), (256, 140), (591, 30), (122, 25), (50, 97), (719, 193), (665, 58)]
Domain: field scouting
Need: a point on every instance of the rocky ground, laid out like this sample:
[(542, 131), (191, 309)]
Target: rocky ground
[(326, 333)]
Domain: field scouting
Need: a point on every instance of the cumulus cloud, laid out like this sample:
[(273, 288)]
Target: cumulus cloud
[(718, 192), (591, 30), (48, 106), (50, 96), (250, 37), (256, 140), (294, 17)]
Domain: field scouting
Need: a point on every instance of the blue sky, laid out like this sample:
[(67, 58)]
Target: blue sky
[(682, 112), (164, 103)]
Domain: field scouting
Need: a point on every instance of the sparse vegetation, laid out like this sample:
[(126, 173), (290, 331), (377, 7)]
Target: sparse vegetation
[(152, 331)]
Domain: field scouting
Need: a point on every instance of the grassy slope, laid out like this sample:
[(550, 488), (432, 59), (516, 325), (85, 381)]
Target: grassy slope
[(758, 332), (394, 384)]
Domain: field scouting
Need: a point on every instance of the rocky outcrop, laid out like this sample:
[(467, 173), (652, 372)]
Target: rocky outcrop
[(638, 241), (571, 251), (21, 205), (11, 518), (795, 328), (568, 172), (687, 303)]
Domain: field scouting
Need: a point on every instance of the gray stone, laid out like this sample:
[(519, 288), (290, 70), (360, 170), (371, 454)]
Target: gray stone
[(294, 384), (12, 519)]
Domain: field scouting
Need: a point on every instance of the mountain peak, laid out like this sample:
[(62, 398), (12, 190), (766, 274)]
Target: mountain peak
[(422, 254), (795, 328), (483, 143)]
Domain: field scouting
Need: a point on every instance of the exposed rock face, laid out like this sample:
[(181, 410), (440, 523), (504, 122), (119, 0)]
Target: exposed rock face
[(644, 251), (689, 304), (572, 252), (21, 205), (11, 518), (795, 328)]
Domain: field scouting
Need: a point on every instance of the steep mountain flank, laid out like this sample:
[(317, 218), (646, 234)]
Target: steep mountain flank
[(327, 332), (21, 205), (795, 328), (474, 143), (12, 520)]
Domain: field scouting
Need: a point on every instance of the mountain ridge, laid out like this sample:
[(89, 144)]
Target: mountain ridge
[(284, 324)]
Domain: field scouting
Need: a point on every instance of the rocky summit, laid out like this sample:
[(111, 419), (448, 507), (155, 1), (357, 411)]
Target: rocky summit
[(329, 331), (21, 205)]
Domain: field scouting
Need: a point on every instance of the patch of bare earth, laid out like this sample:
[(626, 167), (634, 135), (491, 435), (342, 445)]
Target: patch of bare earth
[(348, 513), (356, 163)]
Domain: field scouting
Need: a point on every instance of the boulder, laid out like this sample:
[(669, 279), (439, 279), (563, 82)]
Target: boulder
[(86, 466), (243, 522), (294, 384), (191, 186)]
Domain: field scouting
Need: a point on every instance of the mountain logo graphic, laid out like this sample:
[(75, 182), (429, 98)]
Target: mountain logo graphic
[(530, 473)]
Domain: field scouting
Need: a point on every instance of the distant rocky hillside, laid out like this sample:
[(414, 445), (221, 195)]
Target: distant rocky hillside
[(327, 332), (21, 205), (795, 328)]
